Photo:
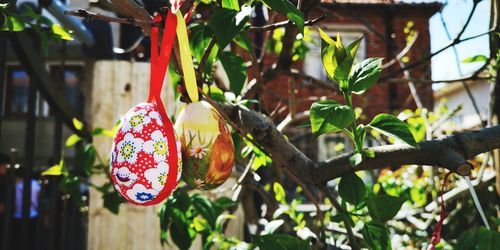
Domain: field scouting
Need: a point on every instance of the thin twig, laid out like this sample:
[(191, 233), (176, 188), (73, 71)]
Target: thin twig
[(338, 207), (285, 23), (205, 56), (402, 53), (90, 16), (457, 60), (309, 196), (431, 55)]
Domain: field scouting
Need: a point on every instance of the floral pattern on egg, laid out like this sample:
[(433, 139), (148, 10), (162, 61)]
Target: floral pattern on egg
[(207, 146), (144, 169)]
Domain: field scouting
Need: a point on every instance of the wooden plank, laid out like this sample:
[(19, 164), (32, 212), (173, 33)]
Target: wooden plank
[(116, 87)]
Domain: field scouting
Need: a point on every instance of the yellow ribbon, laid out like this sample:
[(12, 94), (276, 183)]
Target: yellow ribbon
[(186, 58)]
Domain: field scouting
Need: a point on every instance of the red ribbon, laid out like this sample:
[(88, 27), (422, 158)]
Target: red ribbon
[(159, 61), (159, 65), (436, 234)]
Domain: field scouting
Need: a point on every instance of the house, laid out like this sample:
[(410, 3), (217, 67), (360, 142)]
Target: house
[(454, 95), (385, 26)]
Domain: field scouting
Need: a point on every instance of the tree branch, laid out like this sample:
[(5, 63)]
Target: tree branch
[(451, 152), (285, 23)]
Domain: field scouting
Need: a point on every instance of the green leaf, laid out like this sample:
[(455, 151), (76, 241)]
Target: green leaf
[(478, 239), (476, 58), (200, 37), (286, 8), (231, 4), (78, 124), (279, 192), (369, 152), (376, 236), (214, 92), (328, 49), (226, 202), (337, 60), (12, 22), (390, 125), (205, 208), (71, 185), (61, 32), (365, 74), (355, 159), (384, 207), (226, 24), (344, 66), (104, 132), (180, 232), (235, 70), (85, 158), (361, 135), (112, 201), (279, 242), (352, 189), (244, 41), (56, 170), (330, 116), (72, 139)]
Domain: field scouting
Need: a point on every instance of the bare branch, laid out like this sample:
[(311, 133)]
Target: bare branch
[(299, 74), (89, 16), (285, 23), (431, 55)]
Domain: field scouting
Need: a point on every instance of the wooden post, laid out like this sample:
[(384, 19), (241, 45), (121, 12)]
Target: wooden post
[(117, 86)]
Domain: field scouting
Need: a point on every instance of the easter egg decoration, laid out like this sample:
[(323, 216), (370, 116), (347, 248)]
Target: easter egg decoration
[(146, 161), (207, 146)]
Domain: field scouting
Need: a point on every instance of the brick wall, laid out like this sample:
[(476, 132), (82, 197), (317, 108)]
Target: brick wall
[(383, 97)]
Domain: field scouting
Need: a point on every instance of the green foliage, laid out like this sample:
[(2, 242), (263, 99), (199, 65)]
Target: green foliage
[(391, 126), (365, 74), (280, 242), (12, 22), (279, 192), (231, 4), (227, 23), (384, 207), (337, 59), (476, 58), (478, 239), (330, 116), (28, 18), (352, 189), (72, 140), (184, 216), (235, 70), (286, 8), (376, 236), (199, 39)]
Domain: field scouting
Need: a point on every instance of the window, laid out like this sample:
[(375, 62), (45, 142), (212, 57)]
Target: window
[(313, 64), (17, 91), (72, 85), (332, 145)]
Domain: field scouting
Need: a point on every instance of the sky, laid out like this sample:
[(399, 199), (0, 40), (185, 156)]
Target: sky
[(455, 14)]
